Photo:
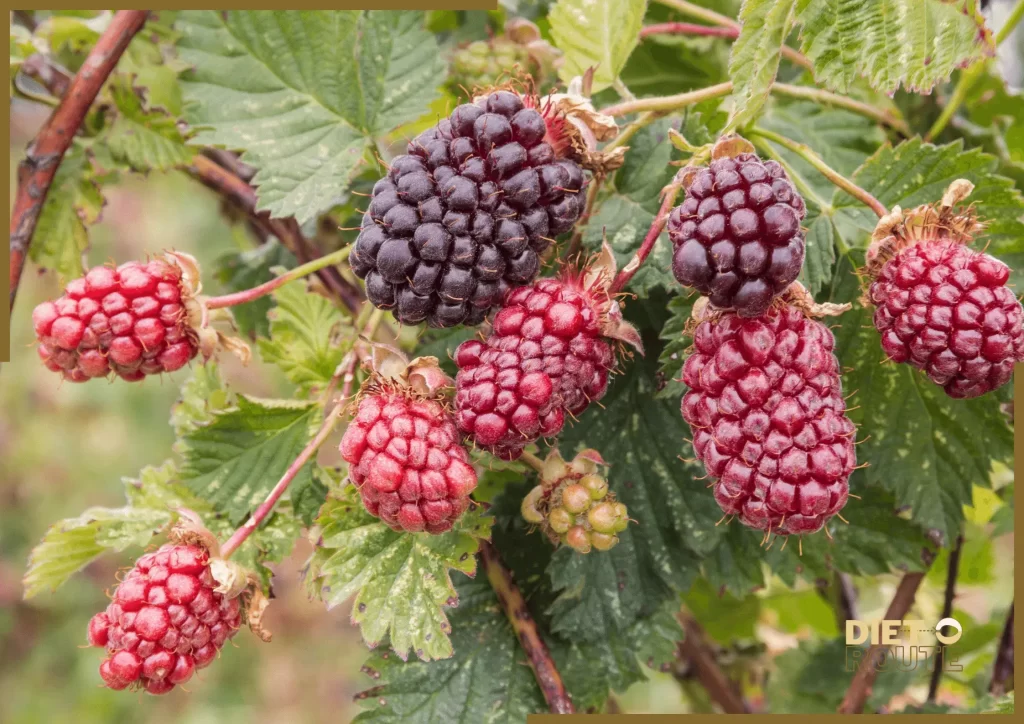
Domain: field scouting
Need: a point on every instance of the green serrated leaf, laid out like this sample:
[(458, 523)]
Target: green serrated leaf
[(596, 33), (203, 395), (143, 140), (401, 581), (307, 336), (676, 342), (72, 543), (755, 56), (488, 681), (304, 93), (72, 203), (234, 460), (914, 43)]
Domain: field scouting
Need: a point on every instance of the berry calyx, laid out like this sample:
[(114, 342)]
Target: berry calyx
[(465, 215), (549, 354), (403, 448), (768, 417), (167, 618), (737, 234), (572, 504), (941, 306), (134, 320)]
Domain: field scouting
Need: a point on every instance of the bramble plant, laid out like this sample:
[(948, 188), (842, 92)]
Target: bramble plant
[(743, 265)]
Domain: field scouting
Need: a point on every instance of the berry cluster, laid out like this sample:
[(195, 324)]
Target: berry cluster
[(737, 234), (166, 620), (572, 504), (131, 321), (465, 215)]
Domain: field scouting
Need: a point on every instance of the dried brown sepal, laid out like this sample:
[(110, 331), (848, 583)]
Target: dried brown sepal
[(940, 221), (199, 318), (598, 275), (422, 377), (731, 146), (796, 295)]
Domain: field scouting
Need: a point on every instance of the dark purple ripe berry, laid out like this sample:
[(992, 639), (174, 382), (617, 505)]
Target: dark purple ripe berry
[(737, 234), (465, 215)]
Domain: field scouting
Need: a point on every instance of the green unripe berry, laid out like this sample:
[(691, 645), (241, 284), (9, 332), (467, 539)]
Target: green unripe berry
[(603, 542), (560, 520), (595, 485), (602, 518), (578, 539), (553, 470), (575, 498)]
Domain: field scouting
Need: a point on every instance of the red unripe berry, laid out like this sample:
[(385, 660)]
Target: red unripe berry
[(165, 621), (769, 420), (546, 356), (405, 457), (130, 321)]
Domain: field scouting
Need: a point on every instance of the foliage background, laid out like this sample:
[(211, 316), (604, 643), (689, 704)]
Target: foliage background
[(65, 448)]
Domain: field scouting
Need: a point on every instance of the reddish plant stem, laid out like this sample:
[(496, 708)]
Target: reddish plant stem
[(867, 672), (688, 29), (634, 264), (947, 611), (1002, 671), (696, 648), (44, 154), (239, 537), (242, 195), (514, 605)]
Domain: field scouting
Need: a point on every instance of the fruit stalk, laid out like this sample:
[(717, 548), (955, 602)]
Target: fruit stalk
[(242, 195), (668, 201), (669, 103), (716, 31), (249, 295), (867, 672), (45, 153), (805, 152), (237, 538), (514, 605)]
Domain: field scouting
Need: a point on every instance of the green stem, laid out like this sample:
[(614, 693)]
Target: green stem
[(624, 93), (806, 153), (971, 75), (248, 295), (818, 95), (532, 460), (665, 104)]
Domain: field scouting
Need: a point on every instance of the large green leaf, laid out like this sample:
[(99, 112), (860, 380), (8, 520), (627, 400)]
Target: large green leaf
[(308, 336), (73, 202), (755, 56), (72, 543), (304, 94), (233, 461), (914, 43), (401, 581), (596, 33)]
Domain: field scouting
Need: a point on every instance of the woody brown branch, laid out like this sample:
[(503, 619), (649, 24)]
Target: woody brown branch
[(867, 671), (697, 648), (1002, 671), (947, 611), (514, 605), (45, 153), (243, 196)]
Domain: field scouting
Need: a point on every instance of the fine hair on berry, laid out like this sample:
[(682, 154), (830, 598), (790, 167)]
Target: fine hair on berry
[(465, 214), (737, 236), (768, 417)]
